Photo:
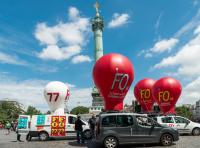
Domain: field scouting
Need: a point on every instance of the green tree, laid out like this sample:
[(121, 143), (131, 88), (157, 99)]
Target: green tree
[(184, 111), (32, 111), (10, 110), (48, 112), (80, 110)]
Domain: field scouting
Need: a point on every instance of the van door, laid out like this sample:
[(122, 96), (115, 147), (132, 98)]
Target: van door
[(147, 130), (70, 127), (124, 127), (182, 124), (23, 126)]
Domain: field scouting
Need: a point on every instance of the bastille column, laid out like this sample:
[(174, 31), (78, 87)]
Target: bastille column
[(97, 28)]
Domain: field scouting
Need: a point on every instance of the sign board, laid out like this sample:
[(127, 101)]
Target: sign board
[(22, 122), (40, 119), (58, 124)]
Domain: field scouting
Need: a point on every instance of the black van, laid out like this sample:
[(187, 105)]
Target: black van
[(121, 128)]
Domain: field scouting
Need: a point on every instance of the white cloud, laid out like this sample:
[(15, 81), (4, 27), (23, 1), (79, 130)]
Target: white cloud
[(187, 58), (164, 45), (30, 92), (81, 58), (191, 92), (193, 23), (195, 2), (73, 13), (8, 59), (53, 52), (80, 96), (118, 20), (160, 47), (64, 40), (158, 20), (26, 92), (129, 97)]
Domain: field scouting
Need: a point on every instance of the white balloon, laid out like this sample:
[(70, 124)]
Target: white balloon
[(56, 94), (59, 111)]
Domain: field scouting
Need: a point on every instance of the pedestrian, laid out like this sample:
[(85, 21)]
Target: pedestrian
[(12, 126), (1, 125), (8, 127), (18, 135), (79, 129), (92, 122)]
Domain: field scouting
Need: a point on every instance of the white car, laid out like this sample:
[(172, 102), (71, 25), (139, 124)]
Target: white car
[(182, 124)]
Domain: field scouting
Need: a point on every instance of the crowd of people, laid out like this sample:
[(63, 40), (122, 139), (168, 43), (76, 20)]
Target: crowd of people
[(10, 126)]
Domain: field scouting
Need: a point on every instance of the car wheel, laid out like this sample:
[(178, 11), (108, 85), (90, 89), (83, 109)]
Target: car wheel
[(110, 142), (43, 136), (196, 132), (166, 140), (87, 134)]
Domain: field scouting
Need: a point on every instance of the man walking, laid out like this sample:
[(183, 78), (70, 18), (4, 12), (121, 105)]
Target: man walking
[(92, 122), (79, 129)]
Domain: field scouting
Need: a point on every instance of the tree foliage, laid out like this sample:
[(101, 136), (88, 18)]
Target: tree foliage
[(9, 111), (184, 111), (32, 111), (48, 112), (80, 110)]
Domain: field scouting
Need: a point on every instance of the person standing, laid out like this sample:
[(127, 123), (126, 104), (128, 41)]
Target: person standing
[(92, 122), (8, 127), (18, 134), (79, 129)]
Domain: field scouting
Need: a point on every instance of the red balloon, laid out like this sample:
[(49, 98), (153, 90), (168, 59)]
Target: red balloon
[(113, 75), (166, 92), (143, 94)]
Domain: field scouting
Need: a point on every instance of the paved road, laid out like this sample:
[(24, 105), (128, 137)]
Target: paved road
[(9, 141)]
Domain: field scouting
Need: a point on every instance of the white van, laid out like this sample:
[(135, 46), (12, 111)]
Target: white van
[(46, 126), (184, 125)]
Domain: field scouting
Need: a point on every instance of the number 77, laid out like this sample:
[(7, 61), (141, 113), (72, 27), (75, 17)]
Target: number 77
[(51, 96)]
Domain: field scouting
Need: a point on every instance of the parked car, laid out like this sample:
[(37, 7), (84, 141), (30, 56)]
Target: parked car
[(113, 129), (47, 126), (182, 124)]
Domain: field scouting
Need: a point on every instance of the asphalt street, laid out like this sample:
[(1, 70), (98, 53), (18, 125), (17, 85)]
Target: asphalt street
[(9, 141)]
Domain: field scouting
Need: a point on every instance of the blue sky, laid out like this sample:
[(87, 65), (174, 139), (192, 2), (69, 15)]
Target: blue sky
[(42, 41)]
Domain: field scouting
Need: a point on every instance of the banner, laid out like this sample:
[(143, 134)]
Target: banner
[(58, 124), (22, 122), (40, 119)]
